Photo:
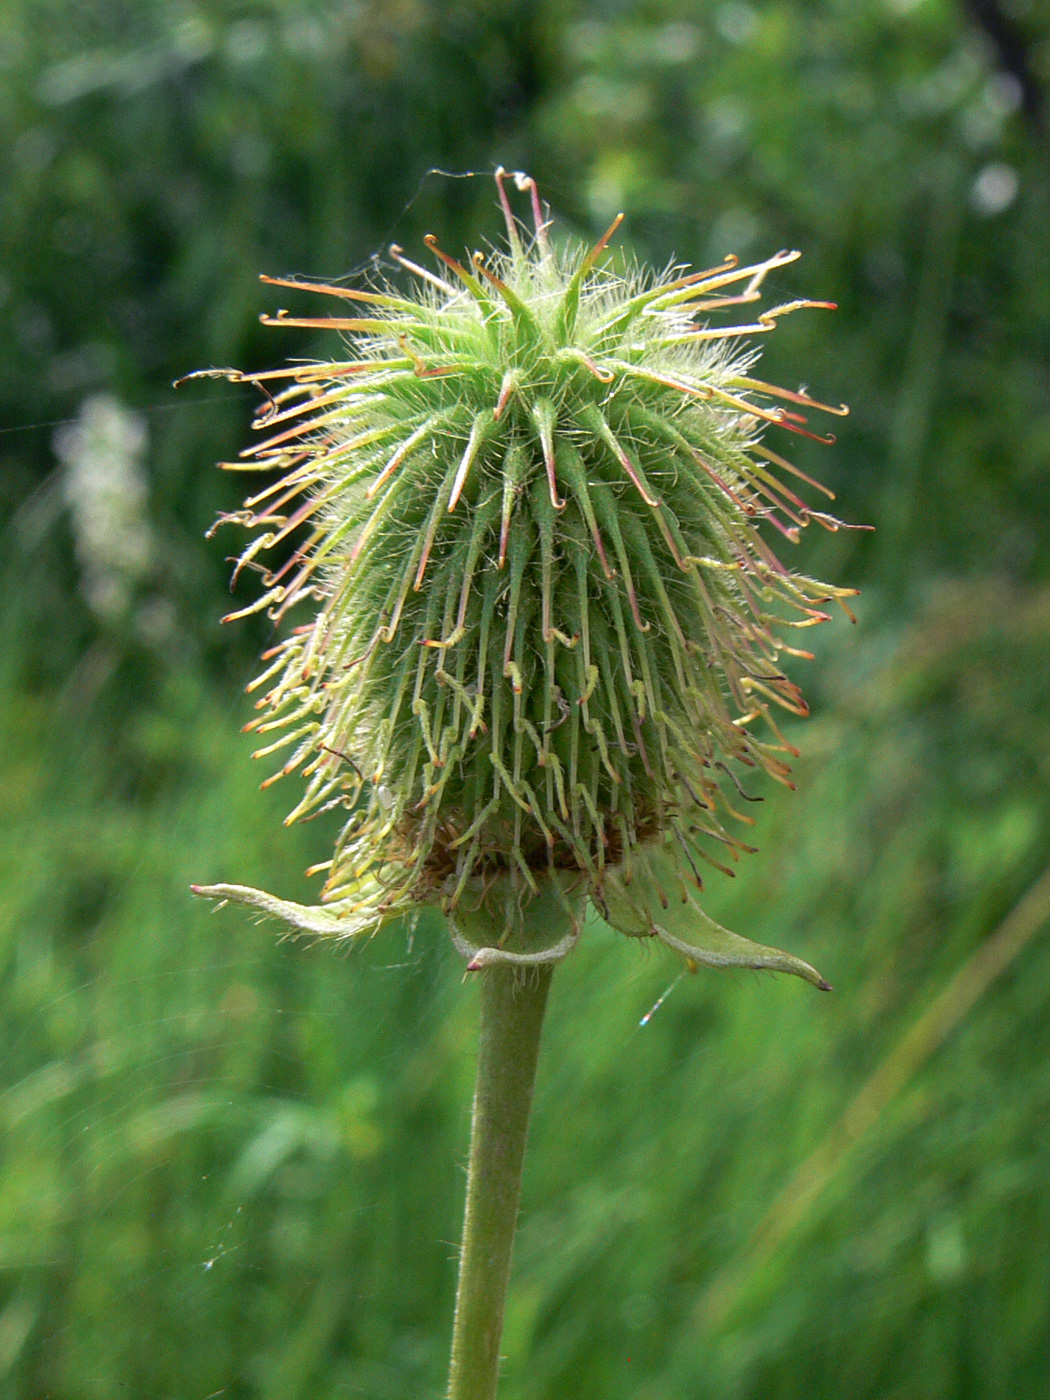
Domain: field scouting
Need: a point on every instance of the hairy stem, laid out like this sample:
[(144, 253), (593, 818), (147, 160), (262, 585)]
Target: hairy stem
[(512, 1007)]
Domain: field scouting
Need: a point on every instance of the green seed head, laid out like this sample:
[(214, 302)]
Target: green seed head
[(533, 628)]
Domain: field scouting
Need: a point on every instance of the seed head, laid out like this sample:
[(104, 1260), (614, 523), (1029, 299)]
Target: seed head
[(544, 627)]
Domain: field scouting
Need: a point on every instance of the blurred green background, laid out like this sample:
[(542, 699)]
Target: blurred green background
[(232, 1166)]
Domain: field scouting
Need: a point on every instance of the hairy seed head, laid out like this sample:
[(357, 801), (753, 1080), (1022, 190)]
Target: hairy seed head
[(538, 627)]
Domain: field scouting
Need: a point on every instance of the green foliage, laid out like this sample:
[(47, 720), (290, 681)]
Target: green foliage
[(233, 1162), (230, 1164), (882, 139)]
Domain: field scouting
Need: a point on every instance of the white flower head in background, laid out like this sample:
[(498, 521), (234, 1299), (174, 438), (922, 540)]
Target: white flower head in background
[(106, 489)]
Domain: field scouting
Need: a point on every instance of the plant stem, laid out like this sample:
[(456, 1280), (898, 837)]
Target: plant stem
[(512, 1008)]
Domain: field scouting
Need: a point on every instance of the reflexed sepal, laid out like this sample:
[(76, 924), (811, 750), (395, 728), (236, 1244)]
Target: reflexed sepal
[(343, 920), (663, 907), (492, 925)]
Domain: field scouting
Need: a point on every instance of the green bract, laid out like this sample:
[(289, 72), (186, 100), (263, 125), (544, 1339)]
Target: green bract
[(543, 626)]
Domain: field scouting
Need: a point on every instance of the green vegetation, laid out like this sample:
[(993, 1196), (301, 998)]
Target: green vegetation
[(232, 1166)]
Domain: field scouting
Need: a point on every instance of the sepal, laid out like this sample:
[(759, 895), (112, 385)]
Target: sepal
[(346, 919), (491, 923), (663, 906)]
